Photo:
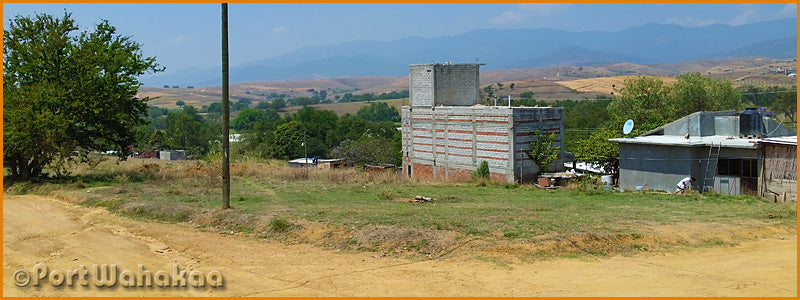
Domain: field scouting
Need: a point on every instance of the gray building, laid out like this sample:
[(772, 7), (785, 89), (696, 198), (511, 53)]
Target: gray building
[(172, 155), (719, 149), (447, 135)]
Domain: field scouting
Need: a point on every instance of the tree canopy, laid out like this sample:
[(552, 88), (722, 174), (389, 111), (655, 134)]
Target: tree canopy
[(66, 92), (651, 103), (378, 112)]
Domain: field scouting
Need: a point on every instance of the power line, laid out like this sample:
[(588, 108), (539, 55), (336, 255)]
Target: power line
[(773, 92)]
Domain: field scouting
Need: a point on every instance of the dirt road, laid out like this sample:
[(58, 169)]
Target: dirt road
[(64, 236)]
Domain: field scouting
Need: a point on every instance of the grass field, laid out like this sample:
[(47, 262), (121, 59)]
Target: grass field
[(353, 209)]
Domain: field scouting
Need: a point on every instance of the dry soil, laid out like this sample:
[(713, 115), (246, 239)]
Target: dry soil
[(63, 236)]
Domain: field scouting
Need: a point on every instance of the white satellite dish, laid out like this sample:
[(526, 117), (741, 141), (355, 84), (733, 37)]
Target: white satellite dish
[(628, 127)]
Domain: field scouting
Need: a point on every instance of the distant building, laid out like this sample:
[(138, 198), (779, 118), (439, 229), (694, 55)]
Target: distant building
[(720, 149), (172, 155), (321, 163), (447, 135)]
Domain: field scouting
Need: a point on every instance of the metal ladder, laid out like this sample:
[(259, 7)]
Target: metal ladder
[(711, 167)]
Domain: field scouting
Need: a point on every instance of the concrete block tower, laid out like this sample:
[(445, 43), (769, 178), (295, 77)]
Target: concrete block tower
[(447, 135)]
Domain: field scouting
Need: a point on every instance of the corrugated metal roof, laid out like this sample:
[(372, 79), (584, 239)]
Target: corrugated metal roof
[(672, 140), (311, 160), (784, 140)]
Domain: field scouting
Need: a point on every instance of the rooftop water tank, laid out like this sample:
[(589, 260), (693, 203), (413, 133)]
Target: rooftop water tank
[(751, 124)]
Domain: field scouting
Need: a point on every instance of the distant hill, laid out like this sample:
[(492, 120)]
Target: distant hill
[(550, 83), (508, 49)]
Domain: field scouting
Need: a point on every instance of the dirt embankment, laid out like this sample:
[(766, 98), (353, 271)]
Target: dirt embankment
[(64, 236)]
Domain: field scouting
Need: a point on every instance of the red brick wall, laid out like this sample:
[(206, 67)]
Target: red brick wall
[(422, 171), (497, 177), (440, 174), (460, 174), (454, 174)]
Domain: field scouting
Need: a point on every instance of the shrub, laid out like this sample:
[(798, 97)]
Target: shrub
[(279, 225), (482, 172)]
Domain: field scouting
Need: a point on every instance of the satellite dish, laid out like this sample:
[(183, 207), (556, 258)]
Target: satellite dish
[(628, 127)]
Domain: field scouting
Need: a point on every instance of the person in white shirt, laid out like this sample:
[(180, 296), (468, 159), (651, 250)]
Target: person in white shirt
[(684, 184)]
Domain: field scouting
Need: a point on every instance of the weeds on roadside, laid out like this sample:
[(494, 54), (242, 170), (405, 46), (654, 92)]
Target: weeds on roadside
[(279, 225)]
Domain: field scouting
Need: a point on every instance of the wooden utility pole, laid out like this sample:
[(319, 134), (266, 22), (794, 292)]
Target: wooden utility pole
[(226, 171)]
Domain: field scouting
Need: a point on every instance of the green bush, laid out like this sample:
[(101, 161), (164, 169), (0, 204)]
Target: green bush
[(482, 172), (279, 225)]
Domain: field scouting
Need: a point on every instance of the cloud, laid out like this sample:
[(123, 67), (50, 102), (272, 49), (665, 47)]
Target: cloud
[(745, 17), (543, 9), (789, 9), (690, 21), (508, 17), (279, 31), (177, 40), (527, 10)]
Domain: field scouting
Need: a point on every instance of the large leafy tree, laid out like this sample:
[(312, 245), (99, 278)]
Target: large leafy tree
[(187, 130), (786, 103), (288, 140), (365, 151), (248, 117), (652, 103), (696, 92), (377, 112), (66, 93)]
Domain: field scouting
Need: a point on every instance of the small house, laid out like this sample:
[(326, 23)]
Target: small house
[(720, 149)]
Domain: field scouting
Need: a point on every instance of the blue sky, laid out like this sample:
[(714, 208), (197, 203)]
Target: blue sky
[(188, 35)]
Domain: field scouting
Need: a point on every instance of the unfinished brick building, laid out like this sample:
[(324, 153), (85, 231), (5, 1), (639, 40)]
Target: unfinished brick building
[(447, 135)]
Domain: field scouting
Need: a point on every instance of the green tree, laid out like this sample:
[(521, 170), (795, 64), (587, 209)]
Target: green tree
[(645, 100), (215, 107), (65, 92), (786, 103), (180, 103), (288, 140), (366, 150), (651, 103), (278, 104), (157, 140), (378, 111), (248, 117), (542, 152), (154, 112), (347, 97), (489, 90), (262, 105), (317, 124), (187, 130), (696, 92), (241, 104), (527, 95), (596, 150)]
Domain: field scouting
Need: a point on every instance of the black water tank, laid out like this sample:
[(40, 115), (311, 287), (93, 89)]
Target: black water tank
[(751, 125)]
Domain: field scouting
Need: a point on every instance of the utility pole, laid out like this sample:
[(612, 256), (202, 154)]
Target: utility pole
[(226, 171), (305, 153)]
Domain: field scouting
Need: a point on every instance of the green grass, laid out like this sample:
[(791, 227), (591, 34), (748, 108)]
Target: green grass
[(508, 210)]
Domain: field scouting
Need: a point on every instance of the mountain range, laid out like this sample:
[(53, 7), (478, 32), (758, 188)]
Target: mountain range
[(506, 49)]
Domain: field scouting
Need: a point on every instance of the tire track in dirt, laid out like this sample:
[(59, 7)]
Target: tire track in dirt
[(41, 229)]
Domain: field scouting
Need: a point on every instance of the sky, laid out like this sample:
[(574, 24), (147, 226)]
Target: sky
[(183, 36)]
